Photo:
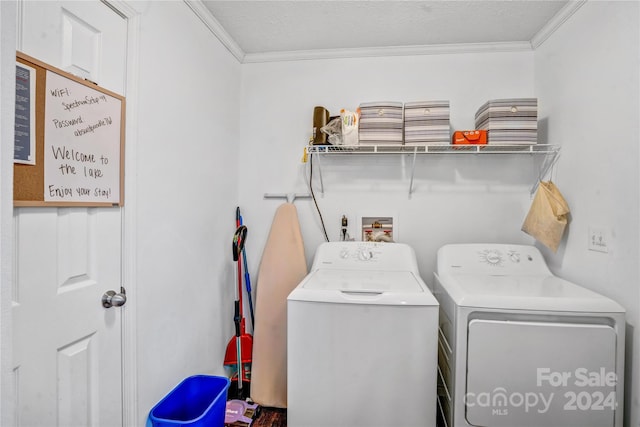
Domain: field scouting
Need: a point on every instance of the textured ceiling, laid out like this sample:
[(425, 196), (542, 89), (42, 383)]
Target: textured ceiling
[(282, 26)]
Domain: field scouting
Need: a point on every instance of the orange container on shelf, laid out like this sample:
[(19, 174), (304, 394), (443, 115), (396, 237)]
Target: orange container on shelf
[(470, 137)]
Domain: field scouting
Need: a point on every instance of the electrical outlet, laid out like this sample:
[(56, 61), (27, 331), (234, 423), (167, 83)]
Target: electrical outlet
[(598, 240)]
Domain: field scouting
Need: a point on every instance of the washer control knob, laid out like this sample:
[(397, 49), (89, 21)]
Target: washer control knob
[(491, 257), (344, 253), (514, 256), (365, 254)]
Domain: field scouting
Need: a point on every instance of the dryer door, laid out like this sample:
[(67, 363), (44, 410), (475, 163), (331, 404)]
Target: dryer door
[(531, 374)]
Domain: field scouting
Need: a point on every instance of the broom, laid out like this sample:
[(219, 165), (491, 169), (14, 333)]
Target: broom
[(240, 347)]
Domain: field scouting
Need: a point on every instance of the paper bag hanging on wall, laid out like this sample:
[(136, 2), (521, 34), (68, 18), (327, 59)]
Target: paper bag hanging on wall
[(547, 217)]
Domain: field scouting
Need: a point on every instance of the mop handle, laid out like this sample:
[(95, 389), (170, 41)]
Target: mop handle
[(239, 363), (240, 250), (238, 245), (247, 282), (247, 279), (239, 238)]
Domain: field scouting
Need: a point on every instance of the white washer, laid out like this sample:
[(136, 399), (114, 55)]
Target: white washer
[(362, 340), (519, 346)]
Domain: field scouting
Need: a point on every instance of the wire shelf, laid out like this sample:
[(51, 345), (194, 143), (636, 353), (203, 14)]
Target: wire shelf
[(551, 153), (435, 149)]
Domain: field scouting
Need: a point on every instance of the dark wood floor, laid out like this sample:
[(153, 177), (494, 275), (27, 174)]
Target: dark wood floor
[(265, 417), (271, 417)]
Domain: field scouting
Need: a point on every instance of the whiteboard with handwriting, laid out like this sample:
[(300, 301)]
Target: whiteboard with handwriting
[(82, 132)]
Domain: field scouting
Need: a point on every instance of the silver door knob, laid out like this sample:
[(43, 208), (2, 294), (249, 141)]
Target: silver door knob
[(113, 299)]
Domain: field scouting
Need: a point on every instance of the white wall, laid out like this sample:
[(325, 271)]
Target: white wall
[(587, 74), (456, 199), (7, 102), (189, 90)]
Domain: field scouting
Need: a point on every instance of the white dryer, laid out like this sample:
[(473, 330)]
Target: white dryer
[(362, 340), (520, 347)]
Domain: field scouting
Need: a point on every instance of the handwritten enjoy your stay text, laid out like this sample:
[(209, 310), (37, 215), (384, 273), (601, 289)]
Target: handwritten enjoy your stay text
[(79, 144)]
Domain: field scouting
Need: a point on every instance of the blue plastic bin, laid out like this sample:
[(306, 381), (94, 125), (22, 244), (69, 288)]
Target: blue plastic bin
[(199, 400)]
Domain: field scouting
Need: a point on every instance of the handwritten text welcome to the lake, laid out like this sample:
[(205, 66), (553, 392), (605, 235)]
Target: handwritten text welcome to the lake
[(82, 143)]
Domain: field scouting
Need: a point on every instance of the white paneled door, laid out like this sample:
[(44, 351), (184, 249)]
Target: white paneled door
[(67, 346)]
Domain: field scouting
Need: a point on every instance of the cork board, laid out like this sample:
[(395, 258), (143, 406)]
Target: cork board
[(79, 140)]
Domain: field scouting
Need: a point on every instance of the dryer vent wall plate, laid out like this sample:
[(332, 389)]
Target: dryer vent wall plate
[(378, 228)]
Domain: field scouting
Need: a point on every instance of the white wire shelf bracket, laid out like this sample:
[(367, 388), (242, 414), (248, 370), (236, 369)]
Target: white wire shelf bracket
[(550, 151)]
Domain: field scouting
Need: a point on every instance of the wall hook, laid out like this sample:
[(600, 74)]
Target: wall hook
[(291, 197)]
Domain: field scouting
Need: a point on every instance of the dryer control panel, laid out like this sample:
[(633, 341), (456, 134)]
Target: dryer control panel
[(491, 259)]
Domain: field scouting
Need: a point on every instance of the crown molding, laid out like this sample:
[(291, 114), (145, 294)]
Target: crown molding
[(214, 26), (556, 22), (387, 51), (538, 39)]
